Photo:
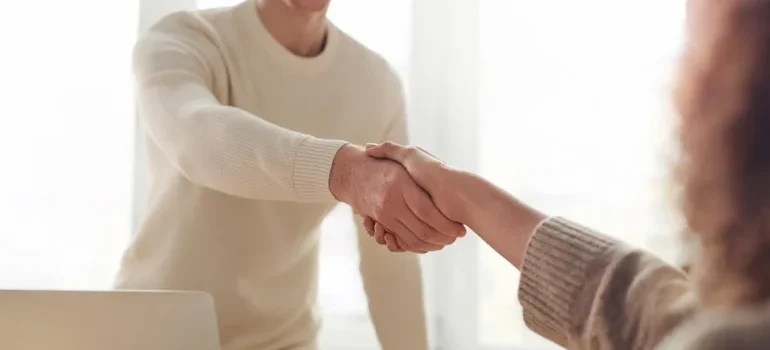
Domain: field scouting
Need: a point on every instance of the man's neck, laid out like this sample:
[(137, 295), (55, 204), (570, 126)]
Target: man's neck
[(301, 33)]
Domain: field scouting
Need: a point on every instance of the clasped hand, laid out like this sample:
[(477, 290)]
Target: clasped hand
[(428, 172), (382, 191)]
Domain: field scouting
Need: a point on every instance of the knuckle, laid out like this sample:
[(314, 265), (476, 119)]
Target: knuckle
[(389, 197), (380, 208)]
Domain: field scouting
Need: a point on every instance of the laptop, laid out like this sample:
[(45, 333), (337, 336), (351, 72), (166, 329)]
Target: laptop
[(107, 320)]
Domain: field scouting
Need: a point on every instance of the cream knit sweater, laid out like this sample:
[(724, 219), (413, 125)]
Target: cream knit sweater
[(241, 135)]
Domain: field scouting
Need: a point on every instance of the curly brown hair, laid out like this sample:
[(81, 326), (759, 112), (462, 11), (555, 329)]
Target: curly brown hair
[(723, 98)]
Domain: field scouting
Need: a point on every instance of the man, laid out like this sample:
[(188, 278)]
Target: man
[(244, 110)]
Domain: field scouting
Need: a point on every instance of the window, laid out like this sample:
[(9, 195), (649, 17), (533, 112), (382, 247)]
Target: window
[(574, 118), (66, 140), (538, 89)]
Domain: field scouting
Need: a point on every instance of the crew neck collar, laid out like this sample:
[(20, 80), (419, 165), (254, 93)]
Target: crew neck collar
[(247, 14)]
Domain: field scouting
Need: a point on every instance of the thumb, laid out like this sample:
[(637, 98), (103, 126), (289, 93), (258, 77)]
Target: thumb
[(388, 150), (430, 154)]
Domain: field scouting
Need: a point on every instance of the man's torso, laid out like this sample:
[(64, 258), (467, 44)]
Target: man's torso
[(257, 258)]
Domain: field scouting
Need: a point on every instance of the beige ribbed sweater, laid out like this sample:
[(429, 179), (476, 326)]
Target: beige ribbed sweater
[(583, 290), (241, 135)]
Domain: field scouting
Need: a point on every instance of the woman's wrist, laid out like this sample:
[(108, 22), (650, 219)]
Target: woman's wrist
[(455, 188), (472, 196), (502, 221)]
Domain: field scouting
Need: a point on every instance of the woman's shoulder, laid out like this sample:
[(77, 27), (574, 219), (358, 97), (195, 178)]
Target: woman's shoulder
[(747, 328)]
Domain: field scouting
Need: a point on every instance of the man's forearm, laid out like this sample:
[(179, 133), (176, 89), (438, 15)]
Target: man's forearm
[(502, 221)]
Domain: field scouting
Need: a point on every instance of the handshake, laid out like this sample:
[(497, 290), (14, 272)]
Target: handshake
[(406, 197)]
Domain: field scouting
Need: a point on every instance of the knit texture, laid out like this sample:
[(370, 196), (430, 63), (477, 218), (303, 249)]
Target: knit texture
[(555, 268), (583, 290)]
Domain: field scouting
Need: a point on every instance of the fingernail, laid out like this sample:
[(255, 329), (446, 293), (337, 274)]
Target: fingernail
[(370, 145)]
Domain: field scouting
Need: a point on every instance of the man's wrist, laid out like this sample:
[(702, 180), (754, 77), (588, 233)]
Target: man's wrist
[(342, 171)]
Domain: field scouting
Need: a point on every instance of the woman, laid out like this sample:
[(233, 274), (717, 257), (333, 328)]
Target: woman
[(584, 290)]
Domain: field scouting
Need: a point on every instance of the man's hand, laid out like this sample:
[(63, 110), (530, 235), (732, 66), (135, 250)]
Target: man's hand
[(383, 191), (505, 223), (428, 171)]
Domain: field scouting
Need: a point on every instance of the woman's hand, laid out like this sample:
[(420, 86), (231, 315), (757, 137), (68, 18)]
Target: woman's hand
[(501, 220), (427, 171)]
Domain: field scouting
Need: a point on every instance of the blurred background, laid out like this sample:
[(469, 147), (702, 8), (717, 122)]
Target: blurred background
[(564, 103)]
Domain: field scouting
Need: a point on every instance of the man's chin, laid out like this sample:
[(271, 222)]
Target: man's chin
[(310, 5)]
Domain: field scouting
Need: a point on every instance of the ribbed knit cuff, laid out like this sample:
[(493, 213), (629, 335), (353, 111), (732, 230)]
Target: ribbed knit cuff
[(559, 257), (312, 165)]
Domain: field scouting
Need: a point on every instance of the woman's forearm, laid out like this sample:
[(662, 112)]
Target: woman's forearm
[(502, 221)]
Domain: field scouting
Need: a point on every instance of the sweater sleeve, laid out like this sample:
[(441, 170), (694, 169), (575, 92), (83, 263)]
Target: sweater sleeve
[(393, 282), (217, 146), (583, 290)]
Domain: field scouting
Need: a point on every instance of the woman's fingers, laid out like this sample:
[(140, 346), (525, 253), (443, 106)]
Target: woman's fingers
[(394, 151), (420, 236), (432, 239), (400, 244), (421, 204), (387, 150), (415, 239)]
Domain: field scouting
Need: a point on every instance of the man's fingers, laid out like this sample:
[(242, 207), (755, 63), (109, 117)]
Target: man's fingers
[(369, 226), (402, 231), (420, 203), (416, 240), (390, 240), (387, 150), (379, 234), (407, 247), (403, 245)]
